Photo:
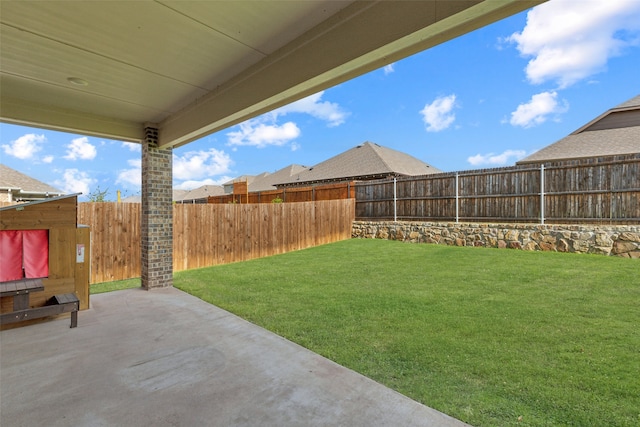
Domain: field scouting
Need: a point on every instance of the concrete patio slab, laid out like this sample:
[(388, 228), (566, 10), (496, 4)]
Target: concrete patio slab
[(166, 358)]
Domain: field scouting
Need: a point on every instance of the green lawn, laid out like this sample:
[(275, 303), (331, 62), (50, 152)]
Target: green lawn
[(492, 337), (99, 288)]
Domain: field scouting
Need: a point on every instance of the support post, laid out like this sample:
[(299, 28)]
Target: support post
[(457, 200), (542, 193), (157, 213), (395, 199)]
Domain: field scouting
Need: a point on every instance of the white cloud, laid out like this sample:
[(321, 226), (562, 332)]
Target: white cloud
[(258, 133), (265, 130), (388, 69), (194, 165), (25, 147), (330, 112), (439, 114), (537, 110), (132, 146), (188, 167), (568, 41), (132, 176), (47, 159), (496, 159), (81, 148), (75, 181)]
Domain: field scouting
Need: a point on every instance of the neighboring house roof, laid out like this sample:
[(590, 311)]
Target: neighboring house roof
[(202, 193), (228, 186), (268, 181), (241, 178), (132, 199), (615, 132), (178, 195), (365, 161), (631, 103), (23, 187)]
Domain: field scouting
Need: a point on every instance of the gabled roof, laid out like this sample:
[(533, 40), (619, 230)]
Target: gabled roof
[(242, 178), (268, 182), (365, 161), (615, 132), (228, 186), (177, 195), (600, 143), (631, 103), (202, 192), (626, 114), (14, 180)]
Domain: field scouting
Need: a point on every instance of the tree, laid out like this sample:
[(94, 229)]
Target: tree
[(97, 195)]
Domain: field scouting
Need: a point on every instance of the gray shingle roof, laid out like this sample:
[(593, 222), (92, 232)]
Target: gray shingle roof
[(633, 102), (604, 136), (177, 196), (598, 143), (132, 199), (364, 161), (241, 178), (11, 178), (202, 192), (266, 182)]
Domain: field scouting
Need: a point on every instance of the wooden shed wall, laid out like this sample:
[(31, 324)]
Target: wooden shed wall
[(58, 213), (65, 275)]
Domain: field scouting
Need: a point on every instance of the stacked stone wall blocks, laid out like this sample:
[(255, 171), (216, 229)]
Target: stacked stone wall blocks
[(615, 240)]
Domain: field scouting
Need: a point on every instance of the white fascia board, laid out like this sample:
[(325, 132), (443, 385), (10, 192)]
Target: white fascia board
[(265, 86), (20, 112)]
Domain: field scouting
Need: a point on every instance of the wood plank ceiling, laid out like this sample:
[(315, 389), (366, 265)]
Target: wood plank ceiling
[(107, 68)]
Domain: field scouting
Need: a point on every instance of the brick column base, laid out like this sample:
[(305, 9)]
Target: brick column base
[(157, 213)]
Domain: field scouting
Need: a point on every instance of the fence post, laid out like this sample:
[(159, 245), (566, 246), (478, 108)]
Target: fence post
[(395, 201), (542, 193), (457, 201), (610, 206)]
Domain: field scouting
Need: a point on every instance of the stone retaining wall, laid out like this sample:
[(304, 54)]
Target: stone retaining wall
[(617, 240)]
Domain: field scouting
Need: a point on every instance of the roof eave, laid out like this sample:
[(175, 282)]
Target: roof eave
[(602, 116), (50, 199), (338, 179)]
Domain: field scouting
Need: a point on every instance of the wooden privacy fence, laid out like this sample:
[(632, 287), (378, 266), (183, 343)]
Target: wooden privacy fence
[(342, 190), (605, 191), (211, 234), (115, 232)]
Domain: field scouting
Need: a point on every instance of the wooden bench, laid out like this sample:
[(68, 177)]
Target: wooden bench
[(20, 290)]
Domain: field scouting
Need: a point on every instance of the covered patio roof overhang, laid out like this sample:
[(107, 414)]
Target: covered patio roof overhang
[(164, 73)]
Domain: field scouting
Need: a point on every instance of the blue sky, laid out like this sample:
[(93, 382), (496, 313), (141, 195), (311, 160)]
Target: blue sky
[(485, 99)]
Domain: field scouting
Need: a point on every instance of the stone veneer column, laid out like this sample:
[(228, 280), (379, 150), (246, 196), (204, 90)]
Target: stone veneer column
[(157, 213)]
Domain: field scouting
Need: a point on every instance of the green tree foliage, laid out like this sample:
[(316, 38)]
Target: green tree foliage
[(98, 196)]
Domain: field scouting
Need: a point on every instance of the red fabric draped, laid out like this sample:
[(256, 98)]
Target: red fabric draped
[(35, 244), (10, 255), (24, 254)]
